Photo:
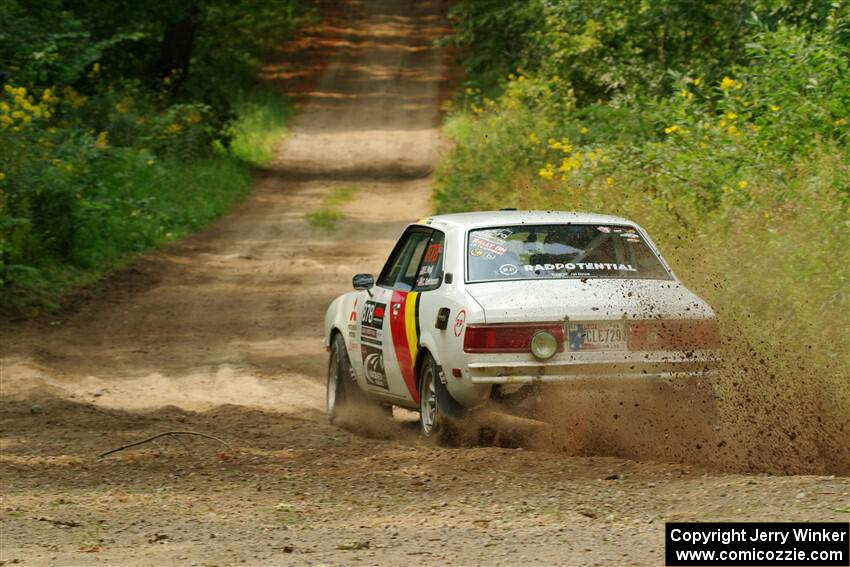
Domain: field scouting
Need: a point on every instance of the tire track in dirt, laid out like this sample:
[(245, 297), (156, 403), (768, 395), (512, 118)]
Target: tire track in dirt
[(225, 325)]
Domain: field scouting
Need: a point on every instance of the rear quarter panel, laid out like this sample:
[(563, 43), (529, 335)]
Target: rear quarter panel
[(446, 345)]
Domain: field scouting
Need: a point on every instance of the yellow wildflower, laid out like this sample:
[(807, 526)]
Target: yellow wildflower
[(742, 184), (547, 172), (671, 129), (683, 93), (697, 82), (102, 142), (774, 108), (731, 115), (733, 130), (2, 176), (74, 98), (727, 83), (570, 163), (583, 130), (4, 107), (841, 122), (533, 138), (124, 105), (610, 181), (554, 144)]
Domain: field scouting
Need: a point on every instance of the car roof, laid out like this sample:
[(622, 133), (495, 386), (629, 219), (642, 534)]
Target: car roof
[(512, 217)]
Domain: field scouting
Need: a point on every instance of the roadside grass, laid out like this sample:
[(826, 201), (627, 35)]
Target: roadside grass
[(774, 268), (328, 214), (143, 202), (263, 115)]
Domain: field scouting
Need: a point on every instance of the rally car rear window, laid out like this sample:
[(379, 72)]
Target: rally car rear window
[(533, 252)]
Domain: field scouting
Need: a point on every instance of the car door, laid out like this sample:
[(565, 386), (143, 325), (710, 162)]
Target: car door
[(421, 271), (375, 327)]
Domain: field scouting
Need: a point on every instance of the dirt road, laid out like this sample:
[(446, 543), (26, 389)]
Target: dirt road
[(219, 334)]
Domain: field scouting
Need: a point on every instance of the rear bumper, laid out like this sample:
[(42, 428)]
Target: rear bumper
[(565, 371)]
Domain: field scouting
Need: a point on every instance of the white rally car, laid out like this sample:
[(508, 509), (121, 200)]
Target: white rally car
[(478, 306)]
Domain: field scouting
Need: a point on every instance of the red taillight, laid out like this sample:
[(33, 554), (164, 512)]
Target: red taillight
[(507, 338), (674, 334)]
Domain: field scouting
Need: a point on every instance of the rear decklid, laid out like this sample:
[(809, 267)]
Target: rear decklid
[(588, 299)]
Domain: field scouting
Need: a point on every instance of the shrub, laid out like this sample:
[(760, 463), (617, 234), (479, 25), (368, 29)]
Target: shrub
[(115, 132)]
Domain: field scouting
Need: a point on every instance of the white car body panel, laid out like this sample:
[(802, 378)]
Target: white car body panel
[(409, 326), (584, 300)]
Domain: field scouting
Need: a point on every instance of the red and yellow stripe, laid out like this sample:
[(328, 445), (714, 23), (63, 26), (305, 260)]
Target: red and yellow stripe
[(405, 331)]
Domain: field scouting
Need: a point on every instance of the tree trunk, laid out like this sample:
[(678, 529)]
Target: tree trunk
[(177, 45)]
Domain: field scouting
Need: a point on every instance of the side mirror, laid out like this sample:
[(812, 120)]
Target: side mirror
[(363, 281)]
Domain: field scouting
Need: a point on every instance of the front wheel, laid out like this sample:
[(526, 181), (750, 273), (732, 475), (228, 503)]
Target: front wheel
[(342, 389)]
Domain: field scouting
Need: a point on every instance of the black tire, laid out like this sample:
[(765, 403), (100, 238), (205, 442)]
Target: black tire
[(342, 390), (434, 424)]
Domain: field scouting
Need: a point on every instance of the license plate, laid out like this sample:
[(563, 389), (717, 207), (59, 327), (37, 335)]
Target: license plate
[(596, 336)]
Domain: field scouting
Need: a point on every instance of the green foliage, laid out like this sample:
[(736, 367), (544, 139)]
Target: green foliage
[(328, 215), (107, 149), (494, 35), (254, 131), (722, 127)]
